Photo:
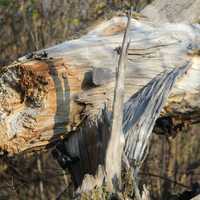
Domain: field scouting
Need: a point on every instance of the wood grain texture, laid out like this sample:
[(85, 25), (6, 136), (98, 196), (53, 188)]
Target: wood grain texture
[(142, 110), (166, 11), (116, 142), (44, 99)]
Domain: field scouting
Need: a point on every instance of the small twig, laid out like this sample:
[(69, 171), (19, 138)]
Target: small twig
[(41, 185), (4, 69), (145, 193), (116, 142), (65, 177), (9, 185), (61, 193), (164, 178), (135, 184)]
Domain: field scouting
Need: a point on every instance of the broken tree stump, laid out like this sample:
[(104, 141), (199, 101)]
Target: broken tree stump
[(59, 93)]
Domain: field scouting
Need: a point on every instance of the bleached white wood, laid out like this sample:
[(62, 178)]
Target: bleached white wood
[(173, 11), (116, 142)]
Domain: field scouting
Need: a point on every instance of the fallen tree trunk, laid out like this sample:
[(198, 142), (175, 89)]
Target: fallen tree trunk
[(50, 94), (173, 11)]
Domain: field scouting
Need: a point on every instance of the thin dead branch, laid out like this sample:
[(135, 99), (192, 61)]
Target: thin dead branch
[(116, 142)]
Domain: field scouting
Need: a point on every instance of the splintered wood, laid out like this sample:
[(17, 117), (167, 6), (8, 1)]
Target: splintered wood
[(42, 99)]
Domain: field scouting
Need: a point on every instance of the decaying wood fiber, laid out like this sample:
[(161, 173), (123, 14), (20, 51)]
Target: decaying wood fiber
[(44, 99)]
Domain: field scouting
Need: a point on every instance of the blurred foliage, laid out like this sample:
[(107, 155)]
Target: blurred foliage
[(173, 165), (20, 177), (29, 25), (4, 2)]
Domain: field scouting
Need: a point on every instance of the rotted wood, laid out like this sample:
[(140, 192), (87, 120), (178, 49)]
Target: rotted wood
[(47, 97)]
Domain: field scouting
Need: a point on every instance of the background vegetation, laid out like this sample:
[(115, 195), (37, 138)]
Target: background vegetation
[(28, 25)]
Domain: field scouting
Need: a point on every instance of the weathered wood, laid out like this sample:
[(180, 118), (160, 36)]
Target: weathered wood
[(173, 11), (42, 99), (89, 143), (196, 198), (145, 193), (116, 142), (142, 110), (102, 76)]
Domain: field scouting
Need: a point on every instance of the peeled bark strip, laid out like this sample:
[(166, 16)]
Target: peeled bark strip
[(45, 97)]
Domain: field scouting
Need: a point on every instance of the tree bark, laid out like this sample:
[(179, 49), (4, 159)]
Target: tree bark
[(61, 92)]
